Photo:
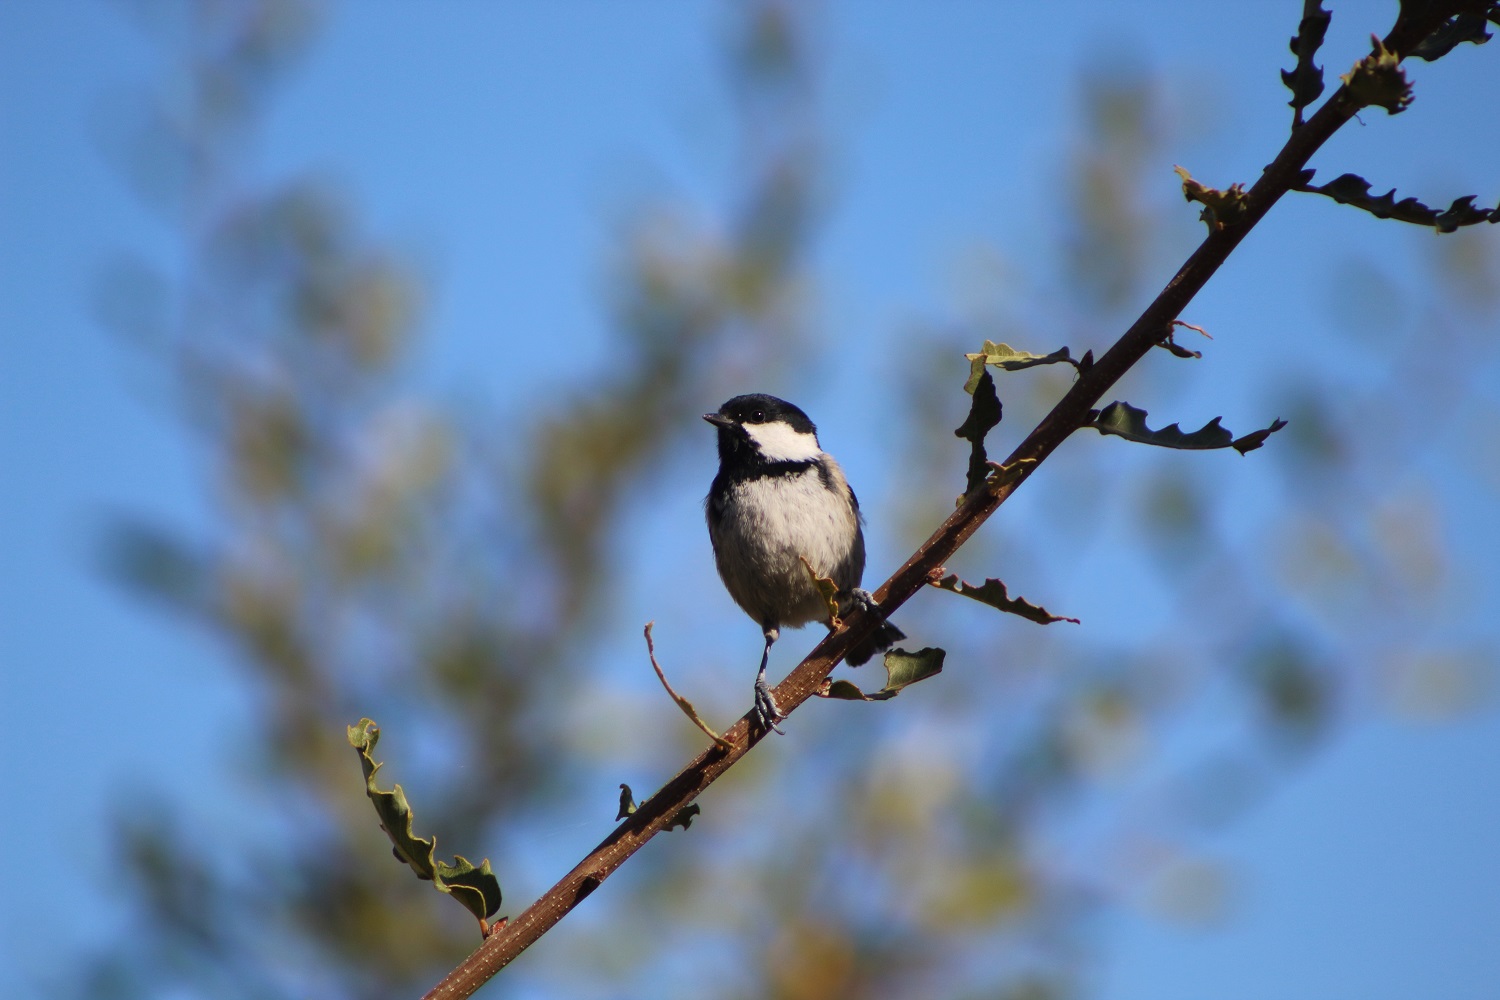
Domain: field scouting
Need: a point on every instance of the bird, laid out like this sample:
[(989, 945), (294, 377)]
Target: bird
[(779, 498)]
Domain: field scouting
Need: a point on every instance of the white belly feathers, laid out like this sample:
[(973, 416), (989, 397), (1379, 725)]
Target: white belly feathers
[(768, 524)]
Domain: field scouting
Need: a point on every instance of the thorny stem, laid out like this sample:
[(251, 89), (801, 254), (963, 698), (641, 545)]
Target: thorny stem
[(1070, 413)]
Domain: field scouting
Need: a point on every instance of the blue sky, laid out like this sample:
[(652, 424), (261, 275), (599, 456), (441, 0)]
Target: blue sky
[(947, 125)]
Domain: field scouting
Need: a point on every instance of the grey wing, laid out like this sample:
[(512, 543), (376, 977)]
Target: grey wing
[(849, 572)]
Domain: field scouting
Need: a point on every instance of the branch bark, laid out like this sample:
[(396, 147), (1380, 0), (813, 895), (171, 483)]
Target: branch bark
[(1284, 173)]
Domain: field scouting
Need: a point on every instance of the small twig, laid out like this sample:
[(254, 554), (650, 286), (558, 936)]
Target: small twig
[(1192, 326), (682, 703)]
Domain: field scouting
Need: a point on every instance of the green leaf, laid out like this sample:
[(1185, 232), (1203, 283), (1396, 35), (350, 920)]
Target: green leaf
[(475, 887), (683, 817), (1306, 81), (992, 592), (1378, 80), (1221, 209), (1129, 422), (1465, 27), (984, 415), (627, 802), (843, 690), (1351, 189), (1007, 358), (902, 670)]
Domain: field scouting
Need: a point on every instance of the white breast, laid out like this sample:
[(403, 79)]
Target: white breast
[(769, 524)]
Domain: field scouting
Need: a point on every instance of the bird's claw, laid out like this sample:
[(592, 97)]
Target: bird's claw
[(767, 712), (859, 599)]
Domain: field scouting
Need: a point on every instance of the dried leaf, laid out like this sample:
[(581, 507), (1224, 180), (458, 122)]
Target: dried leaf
[(828, 590), (682, 703), (993, 593)]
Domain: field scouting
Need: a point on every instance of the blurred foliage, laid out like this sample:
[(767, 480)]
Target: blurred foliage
[(373, 555)]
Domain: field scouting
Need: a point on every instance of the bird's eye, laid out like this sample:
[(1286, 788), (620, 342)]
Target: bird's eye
[(759, 416)]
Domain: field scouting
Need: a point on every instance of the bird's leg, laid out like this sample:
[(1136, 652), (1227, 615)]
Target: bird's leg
[(767, 713)]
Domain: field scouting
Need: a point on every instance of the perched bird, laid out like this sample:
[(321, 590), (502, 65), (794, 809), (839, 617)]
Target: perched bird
[(779, 498)]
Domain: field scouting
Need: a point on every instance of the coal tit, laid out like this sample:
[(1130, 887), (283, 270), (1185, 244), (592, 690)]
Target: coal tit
[(779, 497)]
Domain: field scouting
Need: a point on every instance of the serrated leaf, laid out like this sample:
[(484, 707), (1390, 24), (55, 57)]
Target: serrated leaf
[(684, 816), (1378, 80), (1352, 189), (475, 887), (1007, 358), (984, 415), (993, 593), (1129, 422), (1221, 209), (1306, 81), (902, 670), (1465, 27)]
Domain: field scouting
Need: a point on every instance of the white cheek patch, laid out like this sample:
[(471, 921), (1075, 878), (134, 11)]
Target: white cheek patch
[(778, 442)]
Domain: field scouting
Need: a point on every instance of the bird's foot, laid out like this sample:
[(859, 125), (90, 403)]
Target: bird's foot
[(767, 712), (859, 598)]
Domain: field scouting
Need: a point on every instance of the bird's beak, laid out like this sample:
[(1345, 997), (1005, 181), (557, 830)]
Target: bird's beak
[(718, 419)]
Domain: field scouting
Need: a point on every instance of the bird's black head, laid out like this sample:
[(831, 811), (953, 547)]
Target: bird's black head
[(764, 428)]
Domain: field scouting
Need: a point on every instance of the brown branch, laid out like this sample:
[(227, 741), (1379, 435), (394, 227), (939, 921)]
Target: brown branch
[(1071, 412)]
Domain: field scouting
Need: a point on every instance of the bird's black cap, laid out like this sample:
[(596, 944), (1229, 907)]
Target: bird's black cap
[(759, 408)]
